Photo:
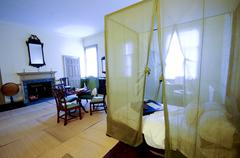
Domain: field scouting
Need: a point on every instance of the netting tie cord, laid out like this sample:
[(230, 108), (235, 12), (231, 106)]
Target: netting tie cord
[(161, 78), (147, 71)]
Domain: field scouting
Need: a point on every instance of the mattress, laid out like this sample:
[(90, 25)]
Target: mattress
[(182, 135)]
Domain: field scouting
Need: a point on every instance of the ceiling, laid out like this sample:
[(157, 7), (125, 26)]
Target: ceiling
[(76, 18)]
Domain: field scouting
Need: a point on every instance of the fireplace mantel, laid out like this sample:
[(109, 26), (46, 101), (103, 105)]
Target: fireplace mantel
[(36, 75)]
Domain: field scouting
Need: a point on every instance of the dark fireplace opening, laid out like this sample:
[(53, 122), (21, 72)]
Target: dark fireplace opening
[(37, 91)]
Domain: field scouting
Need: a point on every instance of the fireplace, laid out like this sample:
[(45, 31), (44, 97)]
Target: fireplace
[(35, 90), (39, 90), (37, 86)]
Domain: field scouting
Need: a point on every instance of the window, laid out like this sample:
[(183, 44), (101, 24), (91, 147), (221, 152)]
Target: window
[(89, 65), (174, 60), (128, 58), (182, 59)]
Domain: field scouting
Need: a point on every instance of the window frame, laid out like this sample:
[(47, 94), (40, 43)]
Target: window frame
[(185, 58), (85, 58)]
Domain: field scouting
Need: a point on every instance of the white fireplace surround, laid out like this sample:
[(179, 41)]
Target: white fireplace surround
[(34, 77)]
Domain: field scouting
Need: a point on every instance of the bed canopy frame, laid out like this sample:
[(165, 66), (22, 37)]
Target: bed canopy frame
[(183, 53)]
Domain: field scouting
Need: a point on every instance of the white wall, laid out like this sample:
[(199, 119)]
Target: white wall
[(14, 53), (97, 39)]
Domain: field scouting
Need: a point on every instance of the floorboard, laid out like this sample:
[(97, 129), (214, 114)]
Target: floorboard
[(33, 132)]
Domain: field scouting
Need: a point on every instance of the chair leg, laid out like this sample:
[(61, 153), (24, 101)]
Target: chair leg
[(80, 115), (105, 108), (91, 108), (65, 118), (58, 113), (80, 104)]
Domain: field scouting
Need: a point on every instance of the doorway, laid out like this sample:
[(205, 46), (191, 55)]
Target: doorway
[(72, 70)]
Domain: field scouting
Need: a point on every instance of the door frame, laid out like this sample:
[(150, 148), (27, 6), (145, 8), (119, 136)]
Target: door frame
[(65, 65), (2, 98)]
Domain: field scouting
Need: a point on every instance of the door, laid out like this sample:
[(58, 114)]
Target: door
[(72, 70)]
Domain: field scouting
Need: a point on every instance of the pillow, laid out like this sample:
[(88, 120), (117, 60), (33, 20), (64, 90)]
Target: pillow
[(215, 128), (213, 106), (94, 92), (192, 111)]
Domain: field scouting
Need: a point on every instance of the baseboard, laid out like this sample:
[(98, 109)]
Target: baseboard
[(9, 106)]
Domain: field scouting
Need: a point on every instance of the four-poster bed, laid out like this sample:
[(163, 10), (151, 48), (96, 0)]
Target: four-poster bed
[(184, 55)]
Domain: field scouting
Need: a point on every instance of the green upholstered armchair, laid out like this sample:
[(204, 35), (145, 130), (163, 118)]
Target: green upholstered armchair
[(90, 83)]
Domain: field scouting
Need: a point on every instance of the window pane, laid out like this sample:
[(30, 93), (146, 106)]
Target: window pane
[(174, 60), (91, 61), (178, 63)]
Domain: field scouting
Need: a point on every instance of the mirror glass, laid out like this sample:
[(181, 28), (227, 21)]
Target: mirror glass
[(35, 51)]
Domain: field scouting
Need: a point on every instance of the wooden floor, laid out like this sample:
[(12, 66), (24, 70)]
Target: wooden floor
[(33, 131), (142, 151)]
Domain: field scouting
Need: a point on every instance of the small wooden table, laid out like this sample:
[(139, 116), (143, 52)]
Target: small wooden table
[(10, 89), (82, 92)]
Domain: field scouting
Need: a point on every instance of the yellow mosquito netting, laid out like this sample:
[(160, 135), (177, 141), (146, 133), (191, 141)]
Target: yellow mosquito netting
[(193, 47)]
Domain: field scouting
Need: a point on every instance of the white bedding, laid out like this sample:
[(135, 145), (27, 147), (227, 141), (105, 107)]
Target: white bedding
[(183, 136), (182, 131), (154, 127)]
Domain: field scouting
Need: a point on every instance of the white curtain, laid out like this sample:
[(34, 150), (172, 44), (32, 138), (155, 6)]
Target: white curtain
[(127, 44)]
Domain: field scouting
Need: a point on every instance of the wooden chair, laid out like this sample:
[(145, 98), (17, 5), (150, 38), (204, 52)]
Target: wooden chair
[(64, 106), (64, 81), (70, 94), (98, 103)]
